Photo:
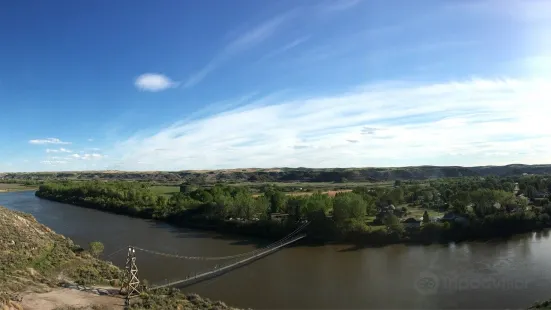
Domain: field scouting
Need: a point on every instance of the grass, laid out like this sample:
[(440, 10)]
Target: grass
[(93, 307), (331, 193), (174, 299), (166, 190), (417, 212), (317, 185), (32, 254), (9, 187), (414, 212)]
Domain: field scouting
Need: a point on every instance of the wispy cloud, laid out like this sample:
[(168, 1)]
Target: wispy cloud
[(87, 156), (54, 162), (60, 150), (284, 48), (245, 41), (154, 82), (387, 125), (337, 5), (48, 141), (520, 10)]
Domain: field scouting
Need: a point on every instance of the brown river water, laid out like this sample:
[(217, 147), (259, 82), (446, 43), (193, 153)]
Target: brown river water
[(500, 274)]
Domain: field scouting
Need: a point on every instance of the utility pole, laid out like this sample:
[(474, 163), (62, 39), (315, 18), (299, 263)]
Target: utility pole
[(130, 280)]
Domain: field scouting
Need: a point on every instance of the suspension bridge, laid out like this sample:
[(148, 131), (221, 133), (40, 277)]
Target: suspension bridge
[(131, 282)]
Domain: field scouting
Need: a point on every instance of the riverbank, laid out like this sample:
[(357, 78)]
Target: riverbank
[(323, 229), (13, 187), (40, 269)]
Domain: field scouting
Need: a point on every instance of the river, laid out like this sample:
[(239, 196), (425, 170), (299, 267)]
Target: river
[(501, 274)]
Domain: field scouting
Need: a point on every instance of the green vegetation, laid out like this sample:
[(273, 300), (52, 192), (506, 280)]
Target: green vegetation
[(15, 187), (541, 305), (340, 176), (93, 307), (436, 211), (96, 248), (31, 255), (34, 257), (165, 190), (174, 299)]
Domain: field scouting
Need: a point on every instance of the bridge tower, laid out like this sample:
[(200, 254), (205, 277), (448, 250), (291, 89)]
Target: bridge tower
[(130, 284)]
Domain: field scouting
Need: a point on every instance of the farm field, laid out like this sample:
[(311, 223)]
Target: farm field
[(9, 187), (165, 190)]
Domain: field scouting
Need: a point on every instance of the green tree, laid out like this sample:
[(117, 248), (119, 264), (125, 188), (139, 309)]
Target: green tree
[(348, 206), (396, 195), (426, 217), (318, 201), (261, 207), (277, 199), (96, 248), (393, 224)]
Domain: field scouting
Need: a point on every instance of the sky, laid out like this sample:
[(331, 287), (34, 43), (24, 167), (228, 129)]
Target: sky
[(181, 85)]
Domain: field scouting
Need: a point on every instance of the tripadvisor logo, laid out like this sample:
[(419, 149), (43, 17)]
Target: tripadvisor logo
[(429, 283)]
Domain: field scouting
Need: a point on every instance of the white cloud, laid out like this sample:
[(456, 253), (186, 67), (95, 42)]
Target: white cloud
[(60, 150), (154, 82), (54, 162), (48, 141), (394, 124), (90, 140), (87, 156)]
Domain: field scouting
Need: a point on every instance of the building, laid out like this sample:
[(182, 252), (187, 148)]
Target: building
[(278, 216), (451, 217), (411, 223)]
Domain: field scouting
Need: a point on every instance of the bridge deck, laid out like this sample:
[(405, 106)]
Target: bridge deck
[(219, 271)]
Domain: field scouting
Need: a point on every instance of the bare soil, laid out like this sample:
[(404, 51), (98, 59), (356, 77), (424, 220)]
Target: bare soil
[(58, 298)]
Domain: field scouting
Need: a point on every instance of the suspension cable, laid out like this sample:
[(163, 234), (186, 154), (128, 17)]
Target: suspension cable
[(117, 251), (222, 257)]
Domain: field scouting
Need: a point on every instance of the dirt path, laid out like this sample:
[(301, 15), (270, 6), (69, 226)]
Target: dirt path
[(59, 297)]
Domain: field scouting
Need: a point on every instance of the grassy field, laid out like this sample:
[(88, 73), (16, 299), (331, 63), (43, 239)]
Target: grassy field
[(6, 187), (331, 193), (417, 213), (165, 190), (318, 185)]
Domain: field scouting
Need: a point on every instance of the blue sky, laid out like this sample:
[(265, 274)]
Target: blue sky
[(175, 85)]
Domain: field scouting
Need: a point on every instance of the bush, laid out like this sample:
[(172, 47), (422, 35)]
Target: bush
[(96, 248)]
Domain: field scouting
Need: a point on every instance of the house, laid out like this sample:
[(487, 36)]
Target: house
[(540, 195), (512, 208), (448, 217), (411, 223), (278, 216), (451, 217)]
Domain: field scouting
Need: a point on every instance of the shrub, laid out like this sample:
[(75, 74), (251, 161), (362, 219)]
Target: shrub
[(96, 248)]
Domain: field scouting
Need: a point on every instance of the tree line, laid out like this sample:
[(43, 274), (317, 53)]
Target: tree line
[(491, 206), (340, 175)]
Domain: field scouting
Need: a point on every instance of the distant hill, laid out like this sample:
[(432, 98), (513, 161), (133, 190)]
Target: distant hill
[(288, 174)]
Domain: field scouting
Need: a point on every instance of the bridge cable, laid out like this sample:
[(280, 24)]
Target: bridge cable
[(222, 257), (211, 271), (117, 251)]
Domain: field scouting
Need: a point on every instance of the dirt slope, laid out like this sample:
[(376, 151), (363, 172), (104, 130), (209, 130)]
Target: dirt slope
[(34, 260)]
